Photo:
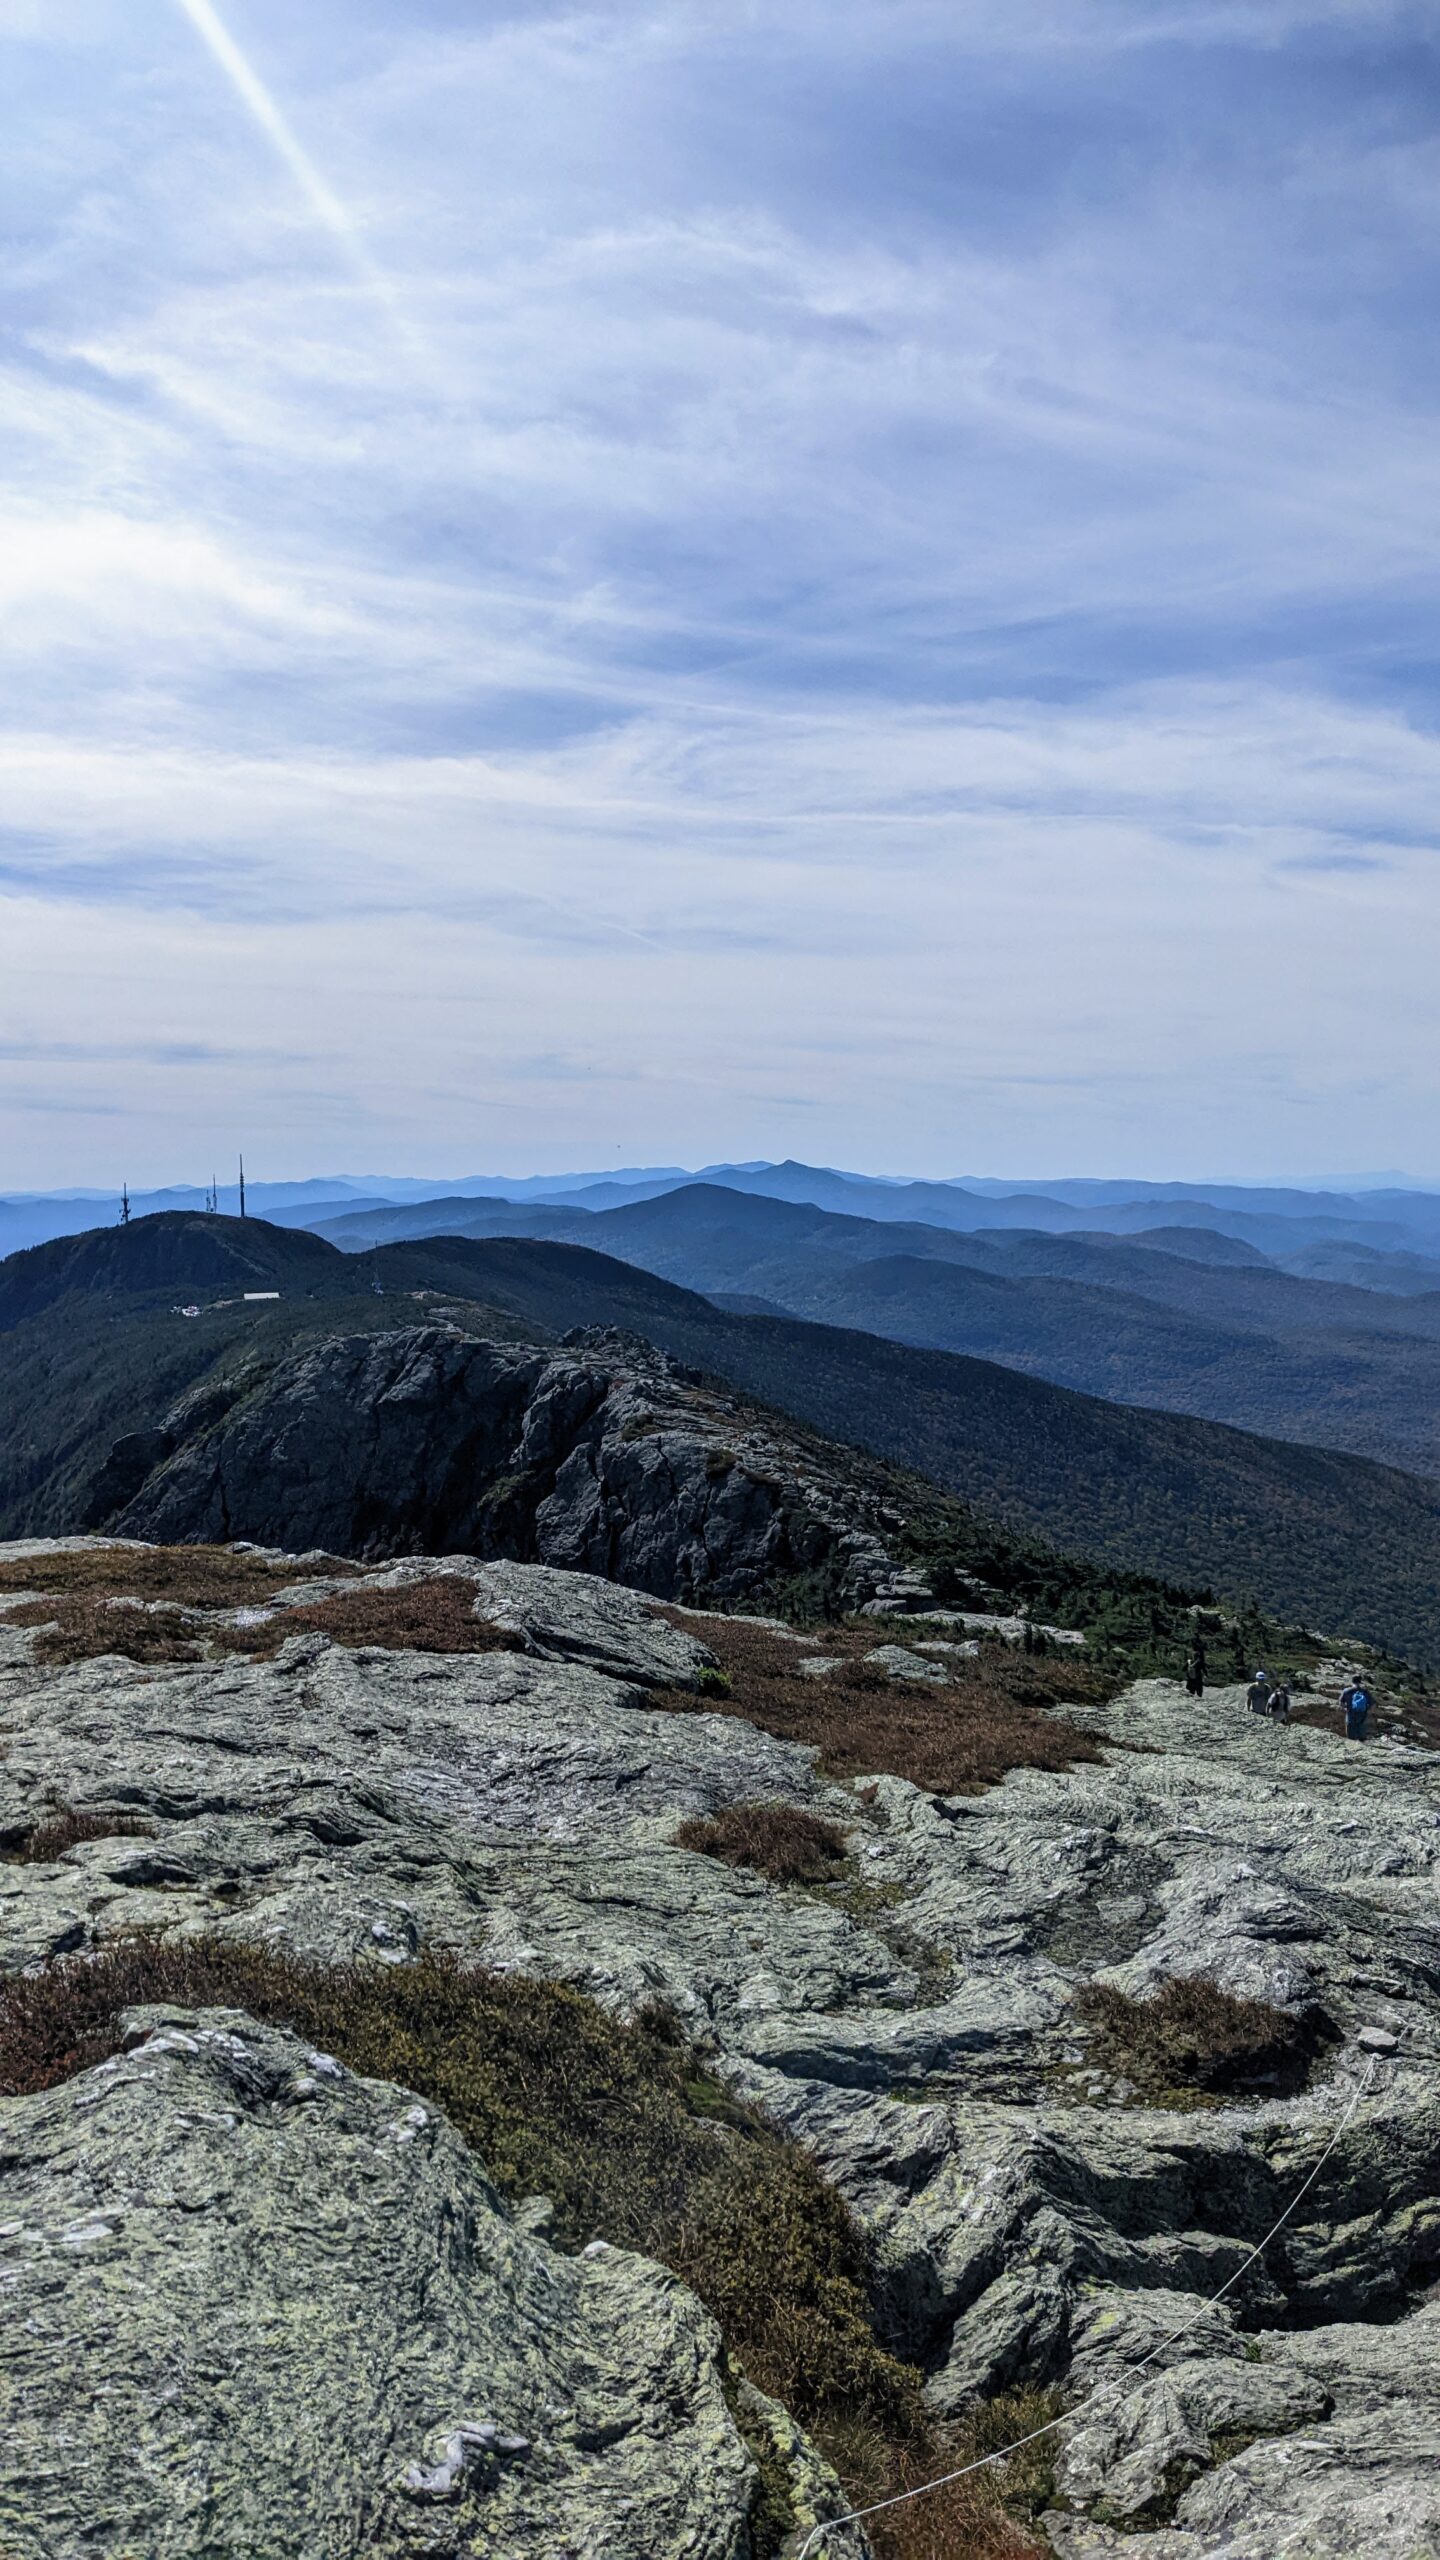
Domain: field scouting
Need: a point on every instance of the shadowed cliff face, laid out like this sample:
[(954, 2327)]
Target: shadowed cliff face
[(605, 1458), (98, 1367)]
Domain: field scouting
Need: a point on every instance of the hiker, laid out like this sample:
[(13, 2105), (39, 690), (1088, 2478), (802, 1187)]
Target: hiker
[(1355, 1706), (1195, 1670), (1257, 1696), (1280, 1700)]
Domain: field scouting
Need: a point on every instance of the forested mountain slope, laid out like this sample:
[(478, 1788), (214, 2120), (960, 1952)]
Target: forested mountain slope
[(1337, 1541)]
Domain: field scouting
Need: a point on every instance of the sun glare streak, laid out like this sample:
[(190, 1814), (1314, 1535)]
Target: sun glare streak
[(205, 18)]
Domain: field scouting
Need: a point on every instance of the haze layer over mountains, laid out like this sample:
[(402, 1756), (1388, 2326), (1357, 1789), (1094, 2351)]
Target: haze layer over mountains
[(1306, 1315), (943, 1327)]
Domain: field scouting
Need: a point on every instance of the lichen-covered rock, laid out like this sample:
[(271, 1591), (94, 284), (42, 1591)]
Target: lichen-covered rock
[(915, 2026), (254, 2304), (518, 1807), (1345, 2457), (1138, 2442)]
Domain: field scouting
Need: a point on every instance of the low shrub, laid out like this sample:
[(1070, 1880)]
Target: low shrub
[(193, 1577), (64, 1828), (81, 1626), (1193, 2035), (629, 2135), (435, 1616), (619, 2125), (953, 1740), (982, 2517), (777, 1840)]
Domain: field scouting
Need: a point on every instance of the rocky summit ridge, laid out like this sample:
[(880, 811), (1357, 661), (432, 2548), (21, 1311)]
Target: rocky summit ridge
[(602, 1455), (258, 2301)]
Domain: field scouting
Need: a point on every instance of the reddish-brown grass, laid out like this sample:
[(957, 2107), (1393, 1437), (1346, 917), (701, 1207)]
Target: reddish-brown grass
[(436, 1616), (64, 1828), (780, 1841), (83, 1626), (982, 2517), (193, 1577), (953, 1740)]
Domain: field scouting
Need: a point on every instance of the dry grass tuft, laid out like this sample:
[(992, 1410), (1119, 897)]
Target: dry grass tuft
[(953, 1741), (986, 2516), (192, 1577), (777, 1840), (1192, 2035), (437, 1616), (84, 1627), (64, 1829)]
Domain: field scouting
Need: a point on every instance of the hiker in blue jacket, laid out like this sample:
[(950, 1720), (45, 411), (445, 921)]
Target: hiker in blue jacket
[(1355, 1706)]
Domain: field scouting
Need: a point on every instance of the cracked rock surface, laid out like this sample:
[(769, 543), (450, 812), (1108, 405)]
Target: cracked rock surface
[(915, 2025), (256, 2304)]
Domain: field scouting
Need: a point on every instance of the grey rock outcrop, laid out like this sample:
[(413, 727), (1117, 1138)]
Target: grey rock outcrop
[(603, 1456), (1328, 2445), (916, 2027), (255, 2304)]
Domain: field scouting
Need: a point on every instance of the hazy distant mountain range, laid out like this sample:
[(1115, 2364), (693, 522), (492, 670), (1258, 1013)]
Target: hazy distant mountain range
[(1280, 1318), (103, 1375), (1305, 1315), (1389, 1216)]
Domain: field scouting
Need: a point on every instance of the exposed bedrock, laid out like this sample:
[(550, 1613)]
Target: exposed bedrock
[(257, 2305), (916, 2025), (606, 1457)]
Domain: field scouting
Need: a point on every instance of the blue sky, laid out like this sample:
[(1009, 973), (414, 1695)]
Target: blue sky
[(848, 578)]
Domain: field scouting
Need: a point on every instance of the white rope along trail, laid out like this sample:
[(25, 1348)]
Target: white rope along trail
[(927, 2488)]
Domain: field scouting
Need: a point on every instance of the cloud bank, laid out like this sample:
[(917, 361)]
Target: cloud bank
[(848, 581)]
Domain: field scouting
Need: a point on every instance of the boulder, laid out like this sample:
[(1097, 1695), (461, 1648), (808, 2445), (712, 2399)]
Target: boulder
[(256, 2304)]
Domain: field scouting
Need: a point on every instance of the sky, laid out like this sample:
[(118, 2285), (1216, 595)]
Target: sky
[(840, 578)]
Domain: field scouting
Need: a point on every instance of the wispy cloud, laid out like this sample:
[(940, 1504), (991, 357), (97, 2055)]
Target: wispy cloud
[(897, 598), (316, 189)]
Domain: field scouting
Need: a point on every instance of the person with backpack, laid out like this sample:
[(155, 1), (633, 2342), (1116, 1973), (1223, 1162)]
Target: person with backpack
[(1257, 1696), (1280, 1700), (1355, 1706), (1195, 1670)]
